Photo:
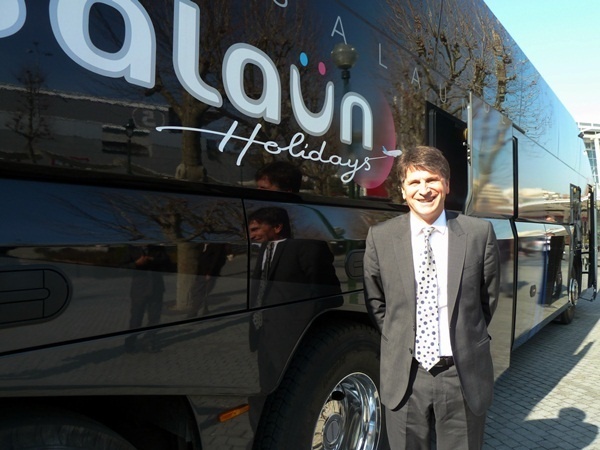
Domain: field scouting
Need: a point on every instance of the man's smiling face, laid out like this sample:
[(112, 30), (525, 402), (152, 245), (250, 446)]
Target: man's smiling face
[(425, 193)]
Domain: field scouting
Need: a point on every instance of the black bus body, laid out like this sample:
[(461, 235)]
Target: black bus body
[(131, 131)]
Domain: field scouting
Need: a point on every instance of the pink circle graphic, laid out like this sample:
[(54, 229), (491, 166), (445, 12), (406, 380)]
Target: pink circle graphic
[(322, 68), (384, 135)]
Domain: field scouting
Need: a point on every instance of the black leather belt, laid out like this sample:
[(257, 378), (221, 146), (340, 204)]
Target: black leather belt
[(445, 361)]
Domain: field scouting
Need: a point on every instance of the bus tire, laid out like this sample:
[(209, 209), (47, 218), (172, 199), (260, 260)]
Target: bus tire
[(321, 401), (573, 291), (42, 428)]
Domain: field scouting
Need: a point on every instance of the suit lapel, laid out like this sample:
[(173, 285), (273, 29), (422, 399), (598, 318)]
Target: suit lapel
[(457, 247), (258, 264), (404, 260), (278, 251)]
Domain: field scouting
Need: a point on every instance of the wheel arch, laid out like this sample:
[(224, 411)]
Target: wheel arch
[(307, 369), (327, 318)]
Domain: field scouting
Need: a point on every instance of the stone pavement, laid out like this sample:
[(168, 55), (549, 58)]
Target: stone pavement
[(550, 396)]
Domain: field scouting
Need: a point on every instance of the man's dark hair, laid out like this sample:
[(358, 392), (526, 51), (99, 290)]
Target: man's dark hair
[(423, 158), (282, 174), (273, 216)]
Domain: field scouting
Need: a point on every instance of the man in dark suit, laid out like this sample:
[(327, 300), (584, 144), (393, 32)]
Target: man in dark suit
[(436, 366)]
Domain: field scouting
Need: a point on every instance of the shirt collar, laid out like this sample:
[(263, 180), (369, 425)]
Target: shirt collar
[(275, 242), (417, 224)]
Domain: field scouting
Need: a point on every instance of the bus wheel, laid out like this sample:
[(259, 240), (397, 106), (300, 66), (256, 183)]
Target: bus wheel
[(42, 428), (329, 398), (574, 290)]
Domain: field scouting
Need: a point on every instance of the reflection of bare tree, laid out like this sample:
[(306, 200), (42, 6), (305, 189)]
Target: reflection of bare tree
[(463, 42), (215, 31), (29, 121), (176, 218), (216, 26), (282, 33), (495, 131), (279, 32), (169, 219), (470, 48), (322, 178), (181, 224)]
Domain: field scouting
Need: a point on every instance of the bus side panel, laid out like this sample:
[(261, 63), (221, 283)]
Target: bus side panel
[(543, 264), (135, 261), (501, 327)]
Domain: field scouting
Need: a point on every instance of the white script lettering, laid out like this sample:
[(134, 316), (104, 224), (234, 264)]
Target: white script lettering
[(295, 149)]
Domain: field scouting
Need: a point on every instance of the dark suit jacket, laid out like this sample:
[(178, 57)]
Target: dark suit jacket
[(473, 279), (300, 269)]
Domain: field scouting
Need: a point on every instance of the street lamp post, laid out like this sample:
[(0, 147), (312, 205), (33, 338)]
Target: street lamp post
[(344, 57), (129, 129)]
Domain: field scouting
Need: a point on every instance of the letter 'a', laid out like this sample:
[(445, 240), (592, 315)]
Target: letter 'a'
[(135, 60)]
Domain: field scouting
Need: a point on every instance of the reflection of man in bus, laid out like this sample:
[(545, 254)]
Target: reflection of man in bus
[(436, 365), (286, 270), (296, 269), (279, 176), (553, 251), (211, 259), (147, 289)]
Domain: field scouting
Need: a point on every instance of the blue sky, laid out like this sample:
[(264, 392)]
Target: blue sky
[(562, 40)]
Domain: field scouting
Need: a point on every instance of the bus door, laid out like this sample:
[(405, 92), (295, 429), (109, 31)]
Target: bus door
[(576, 243), (590, 248), (447, 133)]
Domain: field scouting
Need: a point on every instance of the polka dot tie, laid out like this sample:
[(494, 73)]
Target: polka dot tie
[(427, 341)]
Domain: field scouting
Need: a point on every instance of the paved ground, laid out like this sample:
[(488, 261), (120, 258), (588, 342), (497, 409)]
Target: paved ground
[(550, 397)]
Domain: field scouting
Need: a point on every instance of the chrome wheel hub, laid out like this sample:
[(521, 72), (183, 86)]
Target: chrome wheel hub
[(350, 418), (573, 291)]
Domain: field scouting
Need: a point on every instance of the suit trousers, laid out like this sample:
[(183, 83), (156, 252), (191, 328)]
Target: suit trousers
[(434, 401)]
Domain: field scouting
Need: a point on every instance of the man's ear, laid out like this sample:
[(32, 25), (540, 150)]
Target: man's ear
[(278, 228)]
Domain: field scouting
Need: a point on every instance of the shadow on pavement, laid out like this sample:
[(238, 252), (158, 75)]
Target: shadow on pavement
[(532, 387)]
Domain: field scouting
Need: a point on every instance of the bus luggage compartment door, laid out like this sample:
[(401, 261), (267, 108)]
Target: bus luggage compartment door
[(32, 293)]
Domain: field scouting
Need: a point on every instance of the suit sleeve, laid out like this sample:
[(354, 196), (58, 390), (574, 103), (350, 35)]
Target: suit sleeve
[(491, 275), (316, 261), (374, 293)]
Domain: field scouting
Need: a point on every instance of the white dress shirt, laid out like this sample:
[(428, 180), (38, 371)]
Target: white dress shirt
[(439, 245), (264, 261)]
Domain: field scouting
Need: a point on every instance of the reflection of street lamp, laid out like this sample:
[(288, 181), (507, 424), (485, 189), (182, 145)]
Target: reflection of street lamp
[(129, 128), (344, 57)]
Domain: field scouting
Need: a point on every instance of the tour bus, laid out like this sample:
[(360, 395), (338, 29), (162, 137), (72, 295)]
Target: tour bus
[(131, 135)]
